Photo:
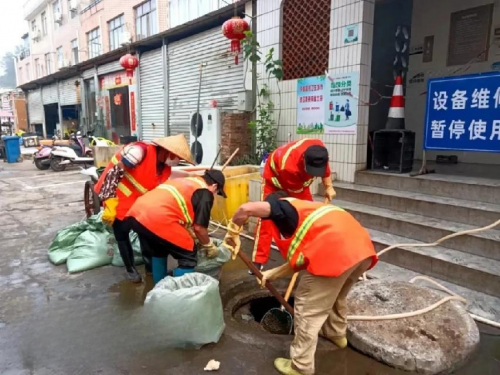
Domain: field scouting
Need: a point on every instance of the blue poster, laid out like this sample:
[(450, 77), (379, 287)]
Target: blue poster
[(463, 113)]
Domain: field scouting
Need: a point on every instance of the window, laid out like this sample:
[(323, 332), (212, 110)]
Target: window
[(28, 72), (94, 43), (48, 63), (145, 20), (60, 58), (56, 7), (20, 76), (44, 23), (38, 69), (74, 51), (116, 29), (33, 27), (182, 11), (72, 9), (306, 38)]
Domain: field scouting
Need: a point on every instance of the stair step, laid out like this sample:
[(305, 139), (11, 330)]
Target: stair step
[(478, 303), (457, 210), (480, 189), (468, 270), (425, 229)]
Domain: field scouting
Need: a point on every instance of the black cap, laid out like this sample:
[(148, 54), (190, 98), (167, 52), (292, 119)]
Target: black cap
[(215, 176), (316, 160)]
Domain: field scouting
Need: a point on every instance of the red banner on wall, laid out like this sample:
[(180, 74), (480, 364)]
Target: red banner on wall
[(132, 110)]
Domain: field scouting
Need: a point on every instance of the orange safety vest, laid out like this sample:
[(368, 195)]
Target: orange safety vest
[(136, 181), (327, 242), (287, 159), (167, 210)]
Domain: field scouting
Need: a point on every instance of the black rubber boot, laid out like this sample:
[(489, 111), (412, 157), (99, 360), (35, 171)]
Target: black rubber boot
[(127, 255)]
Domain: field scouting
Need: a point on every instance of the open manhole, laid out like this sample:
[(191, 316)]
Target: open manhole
[(252, 312)]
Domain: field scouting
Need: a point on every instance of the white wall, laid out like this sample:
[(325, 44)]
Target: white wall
[(347, 152), (432, 17)]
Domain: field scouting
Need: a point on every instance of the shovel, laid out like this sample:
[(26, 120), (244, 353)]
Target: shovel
[(268, 285), (277, 320)]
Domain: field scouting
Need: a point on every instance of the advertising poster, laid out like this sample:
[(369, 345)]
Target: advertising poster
[(341, 103), (311, 105)]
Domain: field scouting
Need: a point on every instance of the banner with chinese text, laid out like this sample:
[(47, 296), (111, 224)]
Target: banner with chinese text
[(310, 105), (341, 107), (463, 113)]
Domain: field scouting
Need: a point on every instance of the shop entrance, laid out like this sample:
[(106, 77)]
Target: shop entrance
[(427, 40), (120, 112), (51, 119)]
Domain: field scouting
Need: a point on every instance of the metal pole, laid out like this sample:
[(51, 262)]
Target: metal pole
[(198, 114)]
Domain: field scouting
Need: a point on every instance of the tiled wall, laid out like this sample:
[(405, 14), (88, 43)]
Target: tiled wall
[(347, 152)]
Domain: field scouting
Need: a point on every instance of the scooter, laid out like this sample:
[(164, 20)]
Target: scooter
[(41, 158), (62, 156)]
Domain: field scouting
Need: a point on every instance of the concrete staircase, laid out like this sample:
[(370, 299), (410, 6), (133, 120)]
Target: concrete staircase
[(399, 209)]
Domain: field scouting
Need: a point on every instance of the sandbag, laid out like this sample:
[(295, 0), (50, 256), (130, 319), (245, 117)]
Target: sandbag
[(213, 266), (63, 244), (89, 251), (185, 311), (136, 247)]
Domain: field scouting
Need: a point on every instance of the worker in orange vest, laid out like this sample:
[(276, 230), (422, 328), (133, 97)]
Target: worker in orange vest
[(133, 171), (330, 248), (168, 217), (291, 168)]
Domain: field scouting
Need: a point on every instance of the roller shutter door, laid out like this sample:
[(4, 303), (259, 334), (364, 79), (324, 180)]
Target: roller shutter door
[(35, 107), (222, 80), (152, 95), (49, 94), (69, 92)]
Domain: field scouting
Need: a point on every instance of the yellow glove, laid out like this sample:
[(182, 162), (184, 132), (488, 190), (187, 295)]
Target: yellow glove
[(109, 214), (329, 190), (211, 249), (233, 234), (276, 273)]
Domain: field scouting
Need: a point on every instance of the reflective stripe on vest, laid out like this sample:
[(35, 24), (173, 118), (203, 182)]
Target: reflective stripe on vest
[(125, 190), (306, 225), (141, 189), (283, 163), (180, 201)]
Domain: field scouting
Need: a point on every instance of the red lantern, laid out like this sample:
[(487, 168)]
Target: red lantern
[(234, 29), (129, 62)]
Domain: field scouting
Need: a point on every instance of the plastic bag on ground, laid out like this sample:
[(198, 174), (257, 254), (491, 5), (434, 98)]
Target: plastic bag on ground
[(185, 311), (136, 247), (89, 251), (213, 266), (63, 244)]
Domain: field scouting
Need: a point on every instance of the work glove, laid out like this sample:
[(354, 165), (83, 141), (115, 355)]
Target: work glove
[(275, 273), (329, 190), (109, 214), (211, 249), (233, 235)]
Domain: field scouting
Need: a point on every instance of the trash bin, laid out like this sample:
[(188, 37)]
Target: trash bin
[(12, 148)]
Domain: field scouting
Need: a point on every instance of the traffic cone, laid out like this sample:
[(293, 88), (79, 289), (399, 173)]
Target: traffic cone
[(396, 118)]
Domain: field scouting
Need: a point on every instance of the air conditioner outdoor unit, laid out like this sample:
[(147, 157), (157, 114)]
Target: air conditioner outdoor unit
[(58, 17), (209, 136), (73, 5), (37, 36)]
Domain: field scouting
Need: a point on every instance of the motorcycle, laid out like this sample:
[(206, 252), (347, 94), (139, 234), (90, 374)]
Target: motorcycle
[(78, 153)]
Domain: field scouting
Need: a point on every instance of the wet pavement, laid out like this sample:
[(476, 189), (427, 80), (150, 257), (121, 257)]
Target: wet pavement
[(55, 323)]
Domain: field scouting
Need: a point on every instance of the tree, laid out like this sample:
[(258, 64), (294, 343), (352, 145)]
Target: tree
[(8, 78)]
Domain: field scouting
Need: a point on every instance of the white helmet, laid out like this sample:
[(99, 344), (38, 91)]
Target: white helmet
[(132, 155)]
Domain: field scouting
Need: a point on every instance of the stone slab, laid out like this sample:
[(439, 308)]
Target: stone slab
[(437, 342)]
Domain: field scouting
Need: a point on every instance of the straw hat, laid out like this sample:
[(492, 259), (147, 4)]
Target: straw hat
[(177, 145)]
